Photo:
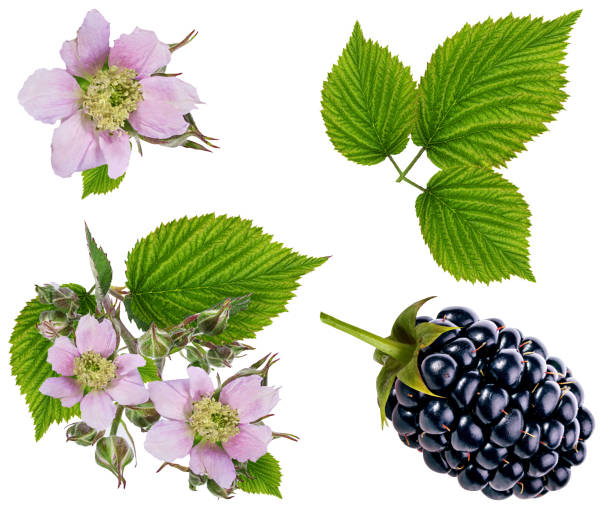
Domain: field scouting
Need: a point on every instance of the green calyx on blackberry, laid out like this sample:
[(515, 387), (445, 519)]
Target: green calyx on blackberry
[(480, 401)]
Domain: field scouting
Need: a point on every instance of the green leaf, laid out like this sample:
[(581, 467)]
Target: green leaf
[(30, 367), (87, 301), (476, 224), (369, 101), (404, 328), (188, 265), (97, 181), (266, 477), (100, 266), (148, 372), (491, 88)]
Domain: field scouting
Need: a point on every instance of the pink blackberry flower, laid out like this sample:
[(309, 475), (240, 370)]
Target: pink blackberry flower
[(88, 367), (212, 431), (102, 89)]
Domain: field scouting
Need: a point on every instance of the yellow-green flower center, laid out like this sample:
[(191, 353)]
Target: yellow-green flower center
[(94, 371), (111, 96), (214, 421)]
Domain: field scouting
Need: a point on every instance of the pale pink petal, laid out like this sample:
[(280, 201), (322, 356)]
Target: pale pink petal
[(168, 440), (68, 390), (61, 356), (250, 398), (171, 398), (140, 51), (116, 150), (126, 363), (172, 90), (213, 461), (87, 53), (98, 337), (75, 146), (128, 389), (97, 410), (158, 120), (250, 444), (49, 95), (200, 383)]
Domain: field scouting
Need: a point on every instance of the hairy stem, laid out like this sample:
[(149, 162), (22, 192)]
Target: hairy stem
[(402, 173), (116, 421), (125, 333)]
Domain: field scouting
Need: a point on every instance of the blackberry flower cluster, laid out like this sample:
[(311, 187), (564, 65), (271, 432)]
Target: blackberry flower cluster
[(509, 418)]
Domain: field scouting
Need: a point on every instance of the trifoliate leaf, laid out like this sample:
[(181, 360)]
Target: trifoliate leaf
[(266, 477), (369, 100), (87, 301), (30, 367), (188, 265), (97, 181), (100, 266), (476, 224), (491, 88)]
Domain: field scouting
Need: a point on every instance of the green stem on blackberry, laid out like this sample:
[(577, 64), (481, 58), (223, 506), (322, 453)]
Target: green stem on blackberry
[(116, 421), (397, 350), (402, 173)]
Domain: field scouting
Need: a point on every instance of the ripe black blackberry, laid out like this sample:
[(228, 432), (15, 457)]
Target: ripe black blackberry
[(511, 420)]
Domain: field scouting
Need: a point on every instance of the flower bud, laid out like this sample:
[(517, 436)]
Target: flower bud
[(217, 490), (143, 416), (196, 480), (82, 434), (155, 343), (62, 298), (213, 321), (46, 293), (53, 323), (181, 336), (198, 356), (114, 453)]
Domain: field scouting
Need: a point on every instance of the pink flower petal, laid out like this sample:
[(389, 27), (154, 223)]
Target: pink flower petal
[(140, 51), (49, 95), (61, 356), (158, 120), (200, 383), (171, 398), (126, 363), (116, 150), (168, 440), (87, 53), (128, 389), (68, 390), (98, 337), (250, 444), (75, 146), (179, 94), (213, 461), (97, 410), (250, 398)]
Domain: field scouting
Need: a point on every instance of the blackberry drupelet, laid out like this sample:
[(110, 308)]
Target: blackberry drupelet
[(510, 418)]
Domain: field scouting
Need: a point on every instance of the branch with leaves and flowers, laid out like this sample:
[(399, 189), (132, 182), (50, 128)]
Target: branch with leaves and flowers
[(68, 358), (106, 97)]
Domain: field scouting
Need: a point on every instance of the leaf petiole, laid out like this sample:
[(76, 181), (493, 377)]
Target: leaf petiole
[(402, 173)]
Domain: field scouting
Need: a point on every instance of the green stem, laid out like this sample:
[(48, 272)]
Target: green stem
[(116, 421), (397, 350), (402, 173)]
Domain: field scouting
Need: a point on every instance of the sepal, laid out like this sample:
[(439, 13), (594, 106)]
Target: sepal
[(114, 453), (82, 434)]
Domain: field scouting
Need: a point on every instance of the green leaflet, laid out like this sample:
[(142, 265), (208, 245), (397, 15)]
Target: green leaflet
[(97, 181), (266, 477), (87, 301), (30, 367), (188, 265), (491, 88), (368, 102), (100, 266), (476, 224), (148, 372)]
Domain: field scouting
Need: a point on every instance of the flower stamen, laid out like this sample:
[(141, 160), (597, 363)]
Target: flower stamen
[(94, 371), (111, 96), (214, 421)]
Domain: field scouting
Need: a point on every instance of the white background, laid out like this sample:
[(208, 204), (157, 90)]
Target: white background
[(259, 66)]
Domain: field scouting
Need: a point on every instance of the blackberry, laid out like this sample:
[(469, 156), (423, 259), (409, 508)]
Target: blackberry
[(485, 404), (509, 419)]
